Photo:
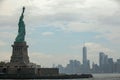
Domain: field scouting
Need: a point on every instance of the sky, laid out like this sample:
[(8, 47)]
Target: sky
[(57, 30)]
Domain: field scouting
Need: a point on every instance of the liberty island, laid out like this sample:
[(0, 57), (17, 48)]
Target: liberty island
[(19, 63), (20, 67)]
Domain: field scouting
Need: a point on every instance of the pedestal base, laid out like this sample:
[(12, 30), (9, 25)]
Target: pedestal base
[(19, 56)]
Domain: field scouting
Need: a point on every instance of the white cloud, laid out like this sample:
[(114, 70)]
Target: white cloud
[(7, 35), (80, 27), (2, 43), (93, 50), (47, 60), (47, 33), (75, 47), (96, 48), (5, 56), (110, 33), (88, 16)]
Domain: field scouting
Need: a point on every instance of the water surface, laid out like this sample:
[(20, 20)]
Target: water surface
[(96, 77)]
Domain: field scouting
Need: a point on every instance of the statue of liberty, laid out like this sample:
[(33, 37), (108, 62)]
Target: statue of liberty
[(21, 31)]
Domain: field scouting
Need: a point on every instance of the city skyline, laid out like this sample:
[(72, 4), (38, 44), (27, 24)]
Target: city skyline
[(57, 30), (105, 65)]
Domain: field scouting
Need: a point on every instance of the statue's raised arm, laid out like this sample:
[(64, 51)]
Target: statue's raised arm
[(23, 9), (22, 15), (21, 31)]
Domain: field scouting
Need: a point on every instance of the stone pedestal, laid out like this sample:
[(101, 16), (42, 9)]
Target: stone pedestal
[(19, 56)]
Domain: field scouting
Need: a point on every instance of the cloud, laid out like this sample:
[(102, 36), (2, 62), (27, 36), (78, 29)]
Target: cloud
[(47, 60), (93, 47), (7, 35), (47, 33), (96, 48), (89, 16), (75, 47), (1, 0), (80, 27), (93, 50), (117, 1), (2, 43), (5, 56), (100, 16)]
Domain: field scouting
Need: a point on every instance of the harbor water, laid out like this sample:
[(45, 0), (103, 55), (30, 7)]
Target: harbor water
[(95, 77)]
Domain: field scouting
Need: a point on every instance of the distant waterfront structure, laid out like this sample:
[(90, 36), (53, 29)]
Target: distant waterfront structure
[(103, 62), (106, 65), (101, 58), (84, 55), (86, 62)]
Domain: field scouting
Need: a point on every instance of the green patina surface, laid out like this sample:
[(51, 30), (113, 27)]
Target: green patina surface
[(21, 31)]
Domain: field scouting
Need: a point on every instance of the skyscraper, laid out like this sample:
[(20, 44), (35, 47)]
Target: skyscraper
[(103, 62), (86, 62), (84, 55), (101, 58)]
